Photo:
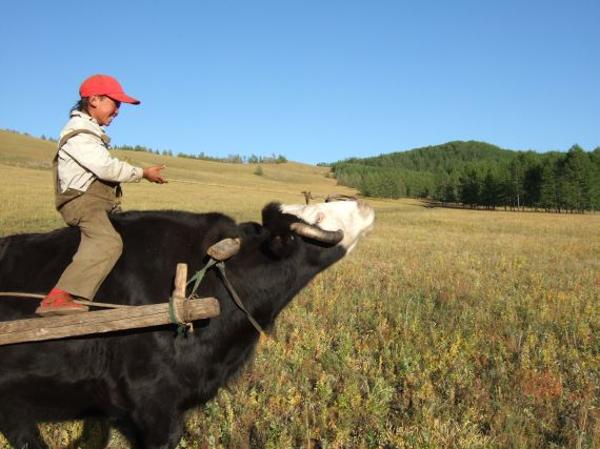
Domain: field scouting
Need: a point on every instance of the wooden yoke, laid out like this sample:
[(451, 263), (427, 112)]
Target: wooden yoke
[(103, 321)]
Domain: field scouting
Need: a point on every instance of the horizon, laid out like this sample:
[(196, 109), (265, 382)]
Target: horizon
[(244, 158), (316, 83)]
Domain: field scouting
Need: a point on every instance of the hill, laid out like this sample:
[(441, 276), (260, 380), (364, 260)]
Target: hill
[(479, 174), (436, 158)]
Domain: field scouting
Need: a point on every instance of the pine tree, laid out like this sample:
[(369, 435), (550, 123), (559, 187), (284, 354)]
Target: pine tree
[(470, 188), (532, 184), (491, 190), (515, 185), (577, 180), (550, 192)]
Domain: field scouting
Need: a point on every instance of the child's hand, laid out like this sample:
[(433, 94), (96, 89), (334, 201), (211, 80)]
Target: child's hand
[(153, 174)]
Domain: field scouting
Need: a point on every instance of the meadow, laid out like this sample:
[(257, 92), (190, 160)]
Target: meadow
[(445, 328)]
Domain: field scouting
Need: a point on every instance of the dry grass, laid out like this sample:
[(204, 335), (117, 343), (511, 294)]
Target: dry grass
[(445, 328)]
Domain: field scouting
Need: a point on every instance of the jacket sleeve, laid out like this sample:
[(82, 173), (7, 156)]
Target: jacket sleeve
[(89, 152)]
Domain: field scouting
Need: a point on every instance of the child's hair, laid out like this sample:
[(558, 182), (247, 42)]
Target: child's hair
[(81, 105)]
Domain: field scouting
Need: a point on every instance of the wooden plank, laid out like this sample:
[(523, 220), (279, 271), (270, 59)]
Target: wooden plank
[(103, 321)]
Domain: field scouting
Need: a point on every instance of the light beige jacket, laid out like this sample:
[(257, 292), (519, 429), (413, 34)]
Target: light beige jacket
[(84, 157)]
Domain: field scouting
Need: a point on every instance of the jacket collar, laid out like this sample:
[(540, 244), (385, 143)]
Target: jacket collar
[(93, 125)]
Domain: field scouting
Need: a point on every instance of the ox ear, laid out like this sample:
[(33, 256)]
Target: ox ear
[(276, 221)]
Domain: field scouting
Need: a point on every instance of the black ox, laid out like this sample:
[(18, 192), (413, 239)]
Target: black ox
[(143, 381)]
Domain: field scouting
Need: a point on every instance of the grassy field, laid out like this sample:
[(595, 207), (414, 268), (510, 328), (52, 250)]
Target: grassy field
[(445, 328)]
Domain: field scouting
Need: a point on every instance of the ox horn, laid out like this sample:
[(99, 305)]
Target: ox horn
[(339, 197), (316, 233)]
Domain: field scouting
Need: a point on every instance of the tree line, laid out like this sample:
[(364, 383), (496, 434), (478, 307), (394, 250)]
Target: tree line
[(480, 175), (232, 158)]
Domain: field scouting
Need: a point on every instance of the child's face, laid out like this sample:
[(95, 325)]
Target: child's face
[(103, 109)]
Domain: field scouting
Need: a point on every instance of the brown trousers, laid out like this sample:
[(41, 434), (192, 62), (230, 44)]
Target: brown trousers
[(100, 246)]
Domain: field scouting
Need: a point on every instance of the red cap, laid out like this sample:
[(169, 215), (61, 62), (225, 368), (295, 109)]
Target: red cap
[(105, 85)]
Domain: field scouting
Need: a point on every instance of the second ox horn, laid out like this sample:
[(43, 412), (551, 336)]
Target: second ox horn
[(339, 197), (316, 233)]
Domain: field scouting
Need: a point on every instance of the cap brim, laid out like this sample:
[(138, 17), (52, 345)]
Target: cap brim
[(123, 98)]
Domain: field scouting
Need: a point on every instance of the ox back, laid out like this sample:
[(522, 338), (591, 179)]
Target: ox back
[(143, 381)]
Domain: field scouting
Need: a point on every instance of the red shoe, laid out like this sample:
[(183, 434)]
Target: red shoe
[(59, 302)]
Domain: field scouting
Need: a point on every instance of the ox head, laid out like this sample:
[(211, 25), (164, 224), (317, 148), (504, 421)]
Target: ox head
[(339, 222)]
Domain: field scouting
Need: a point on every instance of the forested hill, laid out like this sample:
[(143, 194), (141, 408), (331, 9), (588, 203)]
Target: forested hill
[(447, 157), (479, 174)]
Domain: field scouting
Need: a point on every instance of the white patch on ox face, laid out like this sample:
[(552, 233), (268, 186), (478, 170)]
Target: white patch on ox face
[(354, 218)]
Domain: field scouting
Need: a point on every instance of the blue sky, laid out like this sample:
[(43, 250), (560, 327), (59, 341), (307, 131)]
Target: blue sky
[(313, 80)]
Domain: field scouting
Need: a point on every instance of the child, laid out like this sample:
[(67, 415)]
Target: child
[(87, 189)]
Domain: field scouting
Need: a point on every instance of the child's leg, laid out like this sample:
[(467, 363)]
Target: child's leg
[(99, 249)]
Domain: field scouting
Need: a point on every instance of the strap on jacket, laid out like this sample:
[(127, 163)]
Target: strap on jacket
[(64, 197), (104, 138)]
